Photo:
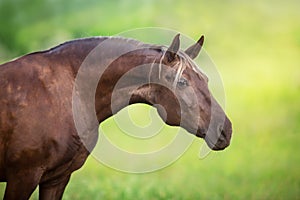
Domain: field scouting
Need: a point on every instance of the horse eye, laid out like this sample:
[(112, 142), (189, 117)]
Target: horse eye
[(182, 82)]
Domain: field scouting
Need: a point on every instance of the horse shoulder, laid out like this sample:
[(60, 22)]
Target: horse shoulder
[(35, 122)]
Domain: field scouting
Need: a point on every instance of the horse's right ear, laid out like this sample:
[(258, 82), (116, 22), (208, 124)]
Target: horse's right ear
[(173, 49)]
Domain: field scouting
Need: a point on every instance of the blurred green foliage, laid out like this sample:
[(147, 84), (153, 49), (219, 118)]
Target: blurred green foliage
[(256, 46)]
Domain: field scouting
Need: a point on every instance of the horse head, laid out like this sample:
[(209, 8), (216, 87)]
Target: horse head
[(182, 96)]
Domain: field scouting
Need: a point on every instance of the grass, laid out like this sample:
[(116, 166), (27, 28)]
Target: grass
[(256, 47)]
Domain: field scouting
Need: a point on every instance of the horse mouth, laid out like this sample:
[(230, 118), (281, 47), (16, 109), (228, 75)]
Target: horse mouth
[(218, 145)]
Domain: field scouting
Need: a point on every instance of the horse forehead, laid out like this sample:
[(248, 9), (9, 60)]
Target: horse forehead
[(199, 73), (190, 64)]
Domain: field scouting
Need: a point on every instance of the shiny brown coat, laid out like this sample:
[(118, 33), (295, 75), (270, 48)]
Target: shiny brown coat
[(39, 144)]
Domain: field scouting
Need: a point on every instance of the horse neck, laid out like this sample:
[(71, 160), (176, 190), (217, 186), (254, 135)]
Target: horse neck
[(117, 86)]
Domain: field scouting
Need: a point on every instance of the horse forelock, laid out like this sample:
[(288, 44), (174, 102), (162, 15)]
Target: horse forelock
[(189, 62), (183, 63)]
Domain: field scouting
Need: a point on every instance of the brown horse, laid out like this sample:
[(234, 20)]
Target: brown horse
[(41, 142)]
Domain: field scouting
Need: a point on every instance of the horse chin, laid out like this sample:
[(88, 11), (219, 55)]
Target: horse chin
[(219, 146), (201, 133)]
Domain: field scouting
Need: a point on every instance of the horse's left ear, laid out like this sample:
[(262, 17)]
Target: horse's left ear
[(173, 49), (194, 50)]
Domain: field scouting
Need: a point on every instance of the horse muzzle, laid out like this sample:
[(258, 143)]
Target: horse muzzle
[(218, 138)]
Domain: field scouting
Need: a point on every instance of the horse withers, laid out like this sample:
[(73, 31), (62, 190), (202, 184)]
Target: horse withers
[(39, 139)]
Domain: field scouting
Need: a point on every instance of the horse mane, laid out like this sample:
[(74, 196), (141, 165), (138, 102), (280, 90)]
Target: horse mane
[(90, 43), (94, 41)]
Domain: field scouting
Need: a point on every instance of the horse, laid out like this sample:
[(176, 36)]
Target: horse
[(45, 135)]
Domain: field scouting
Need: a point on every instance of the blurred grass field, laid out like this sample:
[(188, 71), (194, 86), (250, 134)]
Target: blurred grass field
[(256, 46)]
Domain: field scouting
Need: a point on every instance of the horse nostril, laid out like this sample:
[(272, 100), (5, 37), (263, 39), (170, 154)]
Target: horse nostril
[(222, 134), (220, 129)]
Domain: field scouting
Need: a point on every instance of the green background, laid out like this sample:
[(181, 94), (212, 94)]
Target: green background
[(256, 46)]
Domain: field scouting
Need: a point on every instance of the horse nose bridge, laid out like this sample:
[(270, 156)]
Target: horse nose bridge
[(219, 120), (217, 112)]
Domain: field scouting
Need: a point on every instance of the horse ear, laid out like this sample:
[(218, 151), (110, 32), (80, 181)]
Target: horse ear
[(173, 49), (194, 50)]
